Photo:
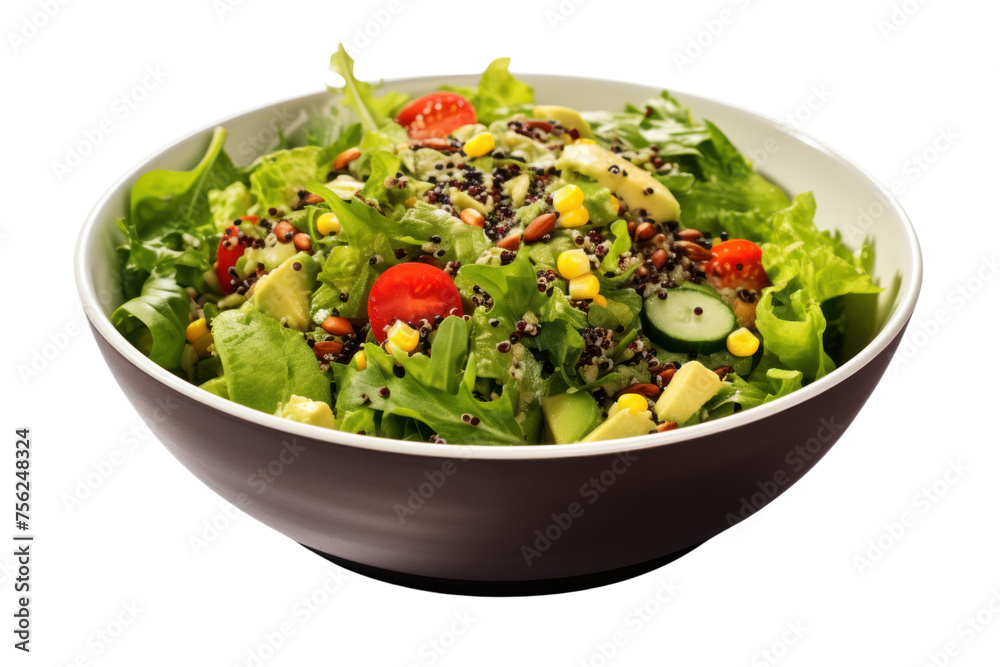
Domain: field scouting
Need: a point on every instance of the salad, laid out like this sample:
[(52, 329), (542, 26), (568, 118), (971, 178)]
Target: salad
[(470, 267)]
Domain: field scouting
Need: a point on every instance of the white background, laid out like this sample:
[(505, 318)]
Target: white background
[(831, 558)]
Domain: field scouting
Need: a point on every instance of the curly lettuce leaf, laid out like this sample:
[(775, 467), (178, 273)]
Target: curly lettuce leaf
[(228, 204), (807, 268), (264, 363), (277, 178)]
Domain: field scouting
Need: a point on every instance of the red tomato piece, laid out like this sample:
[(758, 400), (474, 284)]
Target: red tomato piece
[(231, 249), (411, 292), (736, 264), (436, 115)]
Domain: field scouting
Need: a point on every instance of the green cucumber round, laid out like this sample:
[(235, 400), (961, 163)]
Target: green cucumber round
[(688, 320)]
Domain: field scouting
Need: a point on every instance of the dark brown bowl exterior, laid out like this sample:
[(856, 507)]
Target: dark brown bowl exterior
[(476, 520)]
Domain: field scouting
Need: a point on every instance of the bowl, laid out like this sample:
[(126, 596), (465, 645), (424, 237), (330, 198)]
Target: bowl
[(528, 519)]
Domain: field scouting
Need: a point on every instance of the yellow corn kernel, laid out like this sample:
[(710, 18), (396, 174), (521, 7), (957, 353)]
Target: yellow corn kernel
[(634, 403), (362, 360), (573, 263), (601, 301), (327, 224), (196, 330), (617, 204), (479, 145), (576, 217), (403, 336), (566, 198), (202, 344), (742, 343), (585, 140), (410, 203), (584, 287)]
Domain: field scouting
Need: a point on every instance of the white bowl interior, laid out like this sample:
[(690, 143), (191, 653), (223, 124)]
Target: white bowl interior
[(848, 200)]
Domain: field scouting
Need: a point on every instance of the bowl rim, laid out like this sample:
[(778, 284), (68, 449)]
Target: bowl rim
[(908, 293)]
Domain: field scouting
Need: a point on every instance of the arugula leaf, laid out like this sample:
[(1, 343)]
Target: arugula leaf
[(435, 390), (610, 263), (188, 254), (498, 94), (764, 386), (514, 289), (165, 200), (372, 111), (155, 320), (384, 167), (265, 363), (668, 126)]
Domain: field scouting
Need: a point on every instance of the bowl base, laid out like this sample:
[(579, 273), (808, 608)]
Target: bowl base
[(504, 588)]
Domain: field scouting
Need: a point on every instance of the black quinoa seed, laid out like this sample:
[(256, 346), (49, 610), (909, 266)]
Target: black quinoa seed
[(296, 266), (494, 322), (474, 421), (503, 347), (398, 371), (384, 392), (698, 310)]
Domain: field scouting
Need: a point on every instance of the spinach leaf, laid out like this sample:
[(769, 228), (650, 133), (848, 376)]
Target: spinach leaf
[(166, 200), (155, 320)]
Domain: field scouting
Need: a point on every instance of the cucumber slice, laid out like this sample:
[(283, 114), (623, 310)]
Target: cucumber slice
[(701, 287), (688, 320)]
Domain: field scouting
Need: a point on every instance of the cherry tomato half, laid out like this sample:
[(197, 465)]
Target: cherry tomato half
[(436, 115), (736, 264), (411, 292), (230, 250)]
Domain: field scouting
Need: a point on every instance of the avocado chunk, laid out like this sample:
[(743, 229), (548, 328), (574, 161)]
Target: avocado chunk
[(633, 184), (306, 411), (690, 388), (622, 424), (568, 118), (568, 417), (284, 292), (270, 257)]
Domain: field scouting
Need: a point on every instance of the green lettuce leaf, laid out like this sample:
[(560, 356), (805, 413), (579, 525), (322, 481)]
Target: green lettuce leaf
[(372, 111), (807, 268), (229, 204), (277, 178), (265, 363), (514, 290), (436, 390), (498, 94)]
